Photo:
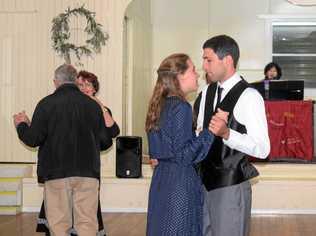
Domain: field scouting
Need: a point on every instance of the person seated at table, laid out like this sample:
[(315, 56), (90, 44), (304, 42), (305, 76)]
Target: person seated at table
[(272, 71)]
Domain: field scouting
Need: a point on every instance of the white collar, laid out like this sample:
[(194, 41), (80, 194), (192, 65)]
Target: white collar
[(229, 83)]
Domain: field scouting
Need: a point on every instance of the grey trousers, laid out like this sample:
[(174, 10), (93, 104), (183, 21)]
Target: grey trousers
[(227, 211)]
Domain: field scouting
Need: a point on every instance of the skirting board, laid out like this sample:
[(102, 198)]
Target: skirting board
[(253, 211)]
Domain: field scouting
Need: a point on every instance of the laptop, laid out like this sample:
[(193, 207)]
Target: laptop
[(280, 89)]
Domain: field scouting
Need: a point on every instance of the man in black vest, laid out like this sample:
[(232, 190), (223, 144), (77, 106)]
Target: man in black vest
[(226, 171)]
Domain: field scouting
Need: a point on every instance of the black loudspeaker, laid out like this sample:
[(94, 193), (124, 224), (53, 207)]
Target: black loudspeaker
[(128, 157)]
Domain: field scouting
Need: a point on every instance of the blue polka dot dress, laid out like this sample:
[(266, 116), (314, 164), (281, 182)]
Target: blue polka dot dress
[(175, 196)]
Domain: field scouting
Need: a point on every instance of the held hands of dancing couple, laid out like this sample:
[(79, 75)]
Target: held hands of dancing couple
[(217, 125)]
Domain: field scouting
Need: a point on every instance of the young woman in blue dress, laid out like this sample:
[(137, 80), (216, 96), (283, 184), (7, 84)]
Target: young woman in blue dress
[(175, 197)]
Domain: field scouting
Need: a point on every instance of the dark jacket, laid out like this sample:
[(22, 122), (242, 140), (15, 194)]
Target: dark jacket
[(69, 129)]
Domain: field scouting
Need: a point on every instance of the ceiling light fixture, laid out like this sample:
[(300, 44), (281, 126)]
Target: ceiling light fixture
[(303, 2)]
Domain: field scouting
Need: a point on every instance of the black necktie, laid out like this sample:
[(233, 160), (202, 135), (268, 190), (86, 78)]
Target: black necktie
[(219, 95)]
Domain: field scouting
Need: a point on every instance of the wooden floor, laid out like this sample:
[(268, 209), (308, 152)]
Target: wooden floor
[(124, 224)]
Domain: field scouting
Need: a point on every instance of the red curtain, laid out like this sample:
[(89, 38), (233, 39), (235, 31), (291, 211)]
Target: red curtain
[(290, 125)]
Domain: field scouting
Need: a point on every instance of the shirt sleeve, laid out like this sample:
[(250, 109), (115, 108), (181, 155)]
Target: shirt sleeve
[(250, 111)]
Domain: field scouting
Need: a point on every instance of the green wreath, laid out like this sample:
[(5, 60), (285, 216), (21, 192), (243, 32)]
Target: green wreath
[(61, 34)]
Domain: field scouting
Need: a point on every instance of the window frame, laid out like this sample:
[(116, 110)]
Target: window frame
[(272, 20)]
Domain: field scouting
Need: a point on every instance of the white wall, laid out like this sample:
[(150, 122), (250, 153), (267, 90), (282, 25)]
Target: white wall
[(27, 63), (183, 26), (139, 66), (179, 26), (240, 21)]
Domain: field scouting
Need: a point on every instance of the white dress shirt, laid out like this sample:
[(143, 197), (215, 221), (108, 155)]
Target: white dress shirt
[(250, 112)]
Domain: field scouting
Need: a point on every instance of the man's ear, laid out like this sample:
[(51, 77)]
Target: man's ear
[(56, 83), (228, 60)]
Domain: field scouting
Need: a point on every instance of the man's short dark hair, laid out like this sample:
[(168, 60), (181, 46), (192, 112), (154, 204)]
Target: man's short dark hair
[(223, 45)]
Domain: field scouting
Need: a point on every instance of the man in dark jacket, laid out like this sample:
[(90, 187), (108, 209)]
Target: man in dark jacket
[(69, 129)]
